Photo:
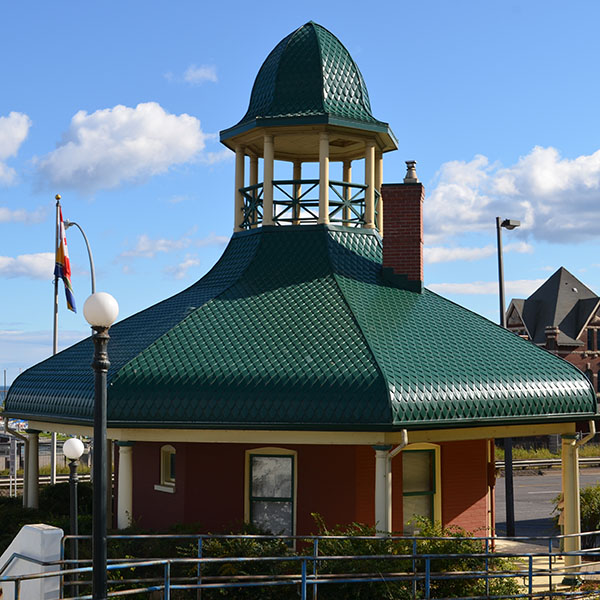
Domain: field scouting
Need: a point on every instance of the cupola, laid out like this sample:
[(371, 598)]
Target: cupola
[(309, 103)]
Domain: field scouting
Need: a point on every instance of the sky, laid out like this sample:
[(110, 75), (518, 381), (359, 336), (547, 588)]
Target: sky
[(117, 106)]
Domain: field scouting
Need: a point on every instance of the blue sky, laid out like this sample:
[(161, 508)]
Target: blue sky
[(117, 106)]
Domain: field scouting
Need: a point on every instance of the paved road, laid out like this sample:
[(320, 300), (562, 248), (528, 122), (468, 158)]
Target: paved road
[(533, 500)]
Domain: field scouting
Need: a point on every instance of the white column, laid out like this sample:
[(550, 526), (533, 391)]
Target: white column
[(297, 191), (370, 183), (33, 470), (239, 183), (570, 485), (382, 487), (324, 177), (269, 160), (378, 182), (347, 177), (125, 498)]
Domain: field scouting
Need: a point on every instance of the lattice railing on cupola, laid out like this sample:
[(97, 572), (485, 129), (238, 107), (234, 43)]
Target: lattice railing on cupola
[(296, 202)]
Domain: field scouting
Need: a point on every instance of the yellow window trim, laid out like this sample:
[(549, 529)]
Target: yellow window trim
[(273, 451), (437, 497)]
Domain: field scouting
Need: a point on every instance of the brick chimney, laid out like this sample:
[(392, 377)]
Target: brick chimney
[(551, 333), (403, 231)]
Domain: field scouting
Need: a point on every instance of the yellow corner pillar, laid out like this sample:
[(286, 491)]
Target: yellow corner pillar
[(297, 176), (378, 182), (253, 169), (269, 160), (347, 177), (571, 514), (32, 465), (383, 487), (370, 183), (239, 183), (324, 177)]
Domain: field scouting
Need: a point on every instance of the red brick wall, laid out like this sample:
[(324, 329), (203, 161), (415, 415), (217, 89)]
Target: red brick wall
[(403, 228)]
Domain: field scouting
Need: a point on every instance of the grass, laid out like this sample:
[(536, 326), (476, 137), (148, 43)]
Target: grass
[(541, 453)]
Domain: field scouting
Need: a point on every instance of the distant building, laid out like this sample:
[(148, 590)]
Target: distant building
[(562, 316)]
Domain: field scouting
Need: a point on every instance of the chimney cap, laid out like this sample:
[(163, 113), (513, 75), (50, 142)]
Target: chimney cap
[(411, 172)]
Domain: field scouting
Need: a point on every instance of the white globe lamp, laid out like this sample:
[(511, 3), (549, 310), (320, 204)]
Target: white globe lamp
[(73, 448), (101, 310)]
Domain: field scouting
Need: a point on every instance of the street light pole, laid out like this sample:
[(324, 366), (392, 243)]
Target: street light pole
[(100, 311), (68, 224), (508, 461), (73, 449)]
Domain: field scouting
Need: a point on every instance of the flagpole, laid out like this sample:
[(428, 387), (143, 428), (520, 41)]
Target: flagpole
[(55, 335)]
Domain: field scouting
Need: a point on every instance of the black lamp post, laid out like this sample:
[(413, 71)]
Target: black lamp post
[(508, 462), (100, 311), (73, 449)]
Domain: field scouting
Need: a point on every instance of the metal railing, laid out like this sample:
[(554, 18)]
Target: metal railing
[(540, 572), (296, 201)]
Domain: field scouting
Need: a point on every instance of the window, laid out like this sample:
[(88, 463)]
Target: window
[(591, 335), (420, 485), (271, 490), (167, 469), (588, 373)]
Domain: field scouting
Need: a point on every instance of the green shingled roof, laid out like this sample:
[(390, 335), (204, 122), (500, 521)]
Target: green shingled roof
[(309, 77), (295, 328)]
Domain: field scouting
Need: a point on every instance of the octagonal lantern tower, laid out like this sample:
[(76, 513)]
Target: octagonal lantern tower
[(309, 103)]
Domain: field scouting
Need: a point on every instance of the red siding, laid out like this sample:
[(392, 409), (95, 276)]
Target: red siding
[(338, 482), (465, 485)]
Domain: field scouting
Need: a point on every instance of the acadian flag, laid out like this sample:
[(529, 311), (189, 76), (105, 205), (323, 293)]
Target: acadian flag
[(62, 268)]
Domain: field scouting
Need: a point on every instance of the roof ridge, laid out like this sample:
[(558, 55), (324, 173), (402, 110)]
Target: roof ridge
[(364, 336)]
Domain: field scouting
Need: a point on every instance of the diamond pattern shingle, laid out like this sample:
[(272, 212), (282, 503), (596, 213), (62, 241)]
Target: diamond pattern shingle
[(294, 328)]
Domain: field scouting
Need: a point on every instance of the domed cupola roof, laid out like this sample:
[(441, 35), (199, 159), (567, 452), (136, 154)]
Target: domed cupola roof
[(309, 78)]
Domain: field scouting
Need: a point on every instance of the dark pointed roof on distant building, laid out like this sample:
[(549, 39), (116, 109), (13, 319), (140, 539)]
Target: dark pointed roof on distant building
[(564, 302)]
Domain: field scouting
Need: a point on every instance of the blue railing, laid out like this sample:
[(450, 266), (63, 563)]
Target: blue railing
[(296, 202), (539, 571)]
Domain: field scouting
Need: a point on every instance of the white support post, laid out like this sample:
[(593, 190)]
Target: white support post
[(33, 469), (370, 183), (382, 488), (53, 458), (297, 191), (269, 166), (323, 177), (239, 183), (125, 498), (347, 177), (570, 485), (378, 183)]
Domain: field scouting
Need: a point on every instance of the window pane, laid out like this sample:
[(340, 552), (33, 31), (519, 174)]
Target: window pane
[(275, 517), (415, 506), (417, 471), (590, 339), (271, 477)]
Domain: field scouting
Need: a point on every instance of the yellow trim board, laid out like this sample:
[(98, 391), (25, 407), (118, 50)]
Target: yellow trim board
[(344, 438)]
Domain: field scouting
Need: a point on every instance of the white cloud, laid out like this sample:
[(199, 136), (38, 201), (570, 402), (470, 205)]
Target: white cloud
[(197, 75), (33, 266), (438, 254), (555, 198), (21, 215), (180, 271), (519, 288), (13, 132), (121, 144), (146, 247)]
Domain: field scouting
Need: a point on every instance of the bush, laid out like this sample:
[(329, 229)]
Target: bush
[(590, 514)]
